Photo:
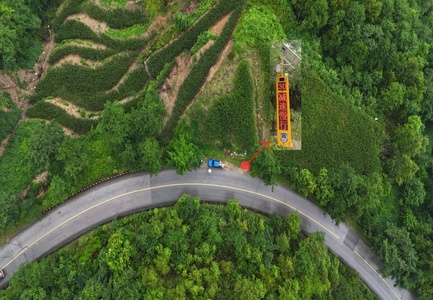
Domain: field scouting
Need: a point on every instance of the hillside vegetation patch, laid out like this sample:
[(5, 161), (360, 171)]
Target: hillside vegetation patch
[(230, 120), (334, 132)]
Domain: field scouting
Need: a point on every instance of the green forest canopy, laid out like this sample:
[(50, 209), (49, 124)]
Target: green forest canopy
[(191, 251)]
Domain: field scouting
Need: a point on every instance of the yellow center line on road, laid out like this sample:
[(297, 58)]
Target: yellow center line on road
[(160, 187), (383, 279)]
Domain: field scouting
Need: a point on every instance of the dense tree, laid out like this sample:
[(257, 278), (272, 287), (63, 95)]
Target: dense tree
[(150, 156), (247, 289), (45, 9), (9, 115), (117, 254), (392, 97), (183, 155), (409, 138), (258, 26), (349, 188), (8, 203), (114, 126), (306, 183), (266, 166), (324, 191), (311, 15), (427, 101), (57, 192), (414, 192), (312, 266), (72, 157), (399, 255), (19, 45), (43, 145), (402, 168), (146, 120)]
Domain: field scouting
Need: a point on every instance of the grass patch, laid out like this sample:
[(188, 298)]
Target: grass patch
[(202, 39), (134, 31), (114, 3)]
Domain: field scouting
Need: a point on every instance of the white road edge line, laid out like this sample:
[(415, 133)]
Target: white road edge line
[(383, 279)]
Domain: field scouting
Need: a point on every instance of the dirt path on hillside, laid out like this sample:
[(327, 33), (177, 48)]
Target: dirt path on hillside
[(95, 25), (180, 71), (70, 58), (158, 25), (72, 109), (218, 27), (86, 44), (170, 88), (75, 59)]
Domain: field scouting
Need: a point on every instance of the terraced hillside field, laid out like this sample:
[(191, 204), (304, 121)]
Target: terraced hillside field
[(108, 51)]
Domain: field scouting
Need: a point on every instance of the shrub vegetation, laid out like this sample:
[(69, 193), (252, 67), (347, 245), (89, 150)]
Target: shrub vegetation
[(9, 115), (16, 174)]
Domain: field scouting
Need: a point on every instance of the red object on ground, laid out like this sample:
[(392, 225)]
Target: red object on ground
[(245, 165)]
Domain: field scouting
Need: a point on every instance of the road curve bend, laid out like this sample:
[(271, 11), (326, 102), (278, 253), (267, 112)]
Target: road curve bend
[(131, 193)]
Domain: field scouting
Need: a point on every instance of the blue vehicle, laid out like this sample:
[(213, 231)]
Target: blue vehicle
[(214, 163)]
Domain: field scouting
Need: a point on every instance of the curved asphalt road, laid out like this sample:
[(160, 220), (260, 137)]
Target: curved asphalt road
[(136, 192)]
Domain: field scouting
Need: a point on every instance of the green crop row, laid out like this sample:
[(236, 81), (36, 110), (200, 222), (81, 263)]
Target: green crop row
[(197, 76), (48, 111), (84, 52), (133, 103), (73, 29), (79, 83), (117, 18), (187, 40), (134, 82), (160, 79), (69, 7), (132, 44)]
